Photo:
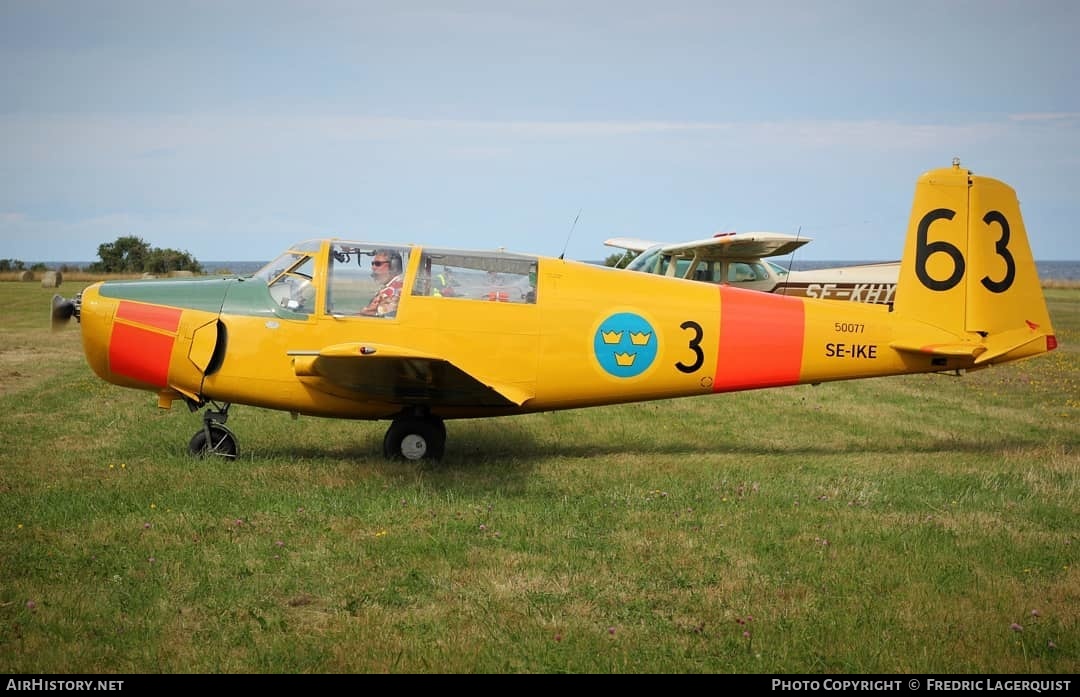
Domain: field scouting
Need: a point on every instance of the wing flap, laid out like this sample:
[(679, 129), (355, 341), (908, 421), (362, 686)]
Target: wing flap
[(398, 375)]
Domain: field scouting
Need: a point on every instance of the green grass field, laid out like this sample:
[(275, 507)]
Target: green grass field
[(923, 524)]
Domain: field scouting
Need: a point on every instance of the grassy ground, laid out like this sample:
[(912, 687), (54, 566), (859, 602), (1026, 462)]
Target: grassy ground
[(912, 524)]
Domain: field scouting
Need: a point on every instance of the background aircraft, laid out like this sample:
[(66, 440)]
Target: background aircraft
[(740, 259), (360, 330)]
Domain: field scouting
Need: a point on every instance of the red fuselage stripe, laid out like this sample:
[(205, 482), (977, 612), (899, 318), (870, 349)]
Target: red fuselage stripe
[(165, 318), (761, 340), (140, 354)]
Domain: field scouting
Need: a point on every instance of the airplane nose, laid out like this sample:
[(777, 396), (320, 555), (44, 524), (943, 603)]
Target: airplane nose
[(95, 316), (133, 339)]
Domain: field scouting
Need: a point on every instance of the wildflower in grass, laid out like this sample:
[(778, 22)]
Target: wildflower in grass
[(1015, 627), (611, 631), (279, 543), (1050, 644), (558, 637), (151, 560), (146, 526), (1034, 613), (746, 634), (238, 522), (381, 533), (31, 605), (482, 527)]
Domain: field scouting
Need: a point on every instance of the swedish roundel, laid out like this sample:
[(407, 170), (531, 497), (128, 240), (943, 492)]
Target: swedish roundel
[(625, 345)]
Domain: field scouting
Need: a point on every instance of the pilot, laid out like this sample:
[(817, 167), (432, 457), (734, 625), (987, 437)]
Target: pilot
[(443, 284), (385, 269)]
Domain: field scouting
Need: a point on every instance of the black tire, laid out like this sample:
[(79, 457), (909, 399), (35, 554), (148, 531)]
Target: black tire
[(415, 438), (222, 443)]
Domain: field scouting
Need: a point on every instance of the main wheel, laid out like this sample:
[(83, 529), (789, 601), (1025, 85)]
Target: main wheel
[(415, 438), (222, 443)]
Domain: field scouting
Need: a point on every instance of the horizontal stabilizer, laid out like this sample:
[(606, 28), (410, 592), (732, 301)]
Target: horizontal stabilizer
[(1013, 341), (957, 350), (986, 351)]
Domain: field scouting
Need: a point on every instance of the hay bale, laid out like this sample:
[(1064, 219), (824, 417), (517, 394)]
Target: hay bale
[(26, 275), (52, 279)]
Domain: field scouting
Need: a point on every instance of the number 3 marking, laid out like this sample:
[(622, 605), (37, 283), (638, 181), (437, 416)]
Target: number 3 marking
[(1002, 248), (695, 346)]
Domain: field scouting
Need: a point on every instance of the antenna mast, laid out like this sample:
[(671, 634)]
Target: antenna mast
[(570, 233), (791, 259)]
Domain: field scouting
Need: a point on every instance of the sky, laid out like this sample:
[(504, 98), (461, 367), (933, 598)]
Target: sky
[(231, 129)]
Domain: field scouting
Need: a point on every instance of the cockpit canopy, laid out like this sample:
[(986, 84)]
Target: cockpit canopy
[(351, 274)]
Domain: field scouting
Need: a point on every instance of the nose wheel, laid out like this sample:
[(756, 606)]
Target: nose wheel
[(415, 437), (214, 439)]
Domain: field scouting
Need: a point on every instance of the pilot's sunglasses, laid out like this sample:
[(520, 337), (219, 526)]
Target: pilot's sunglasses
[(379, 263)]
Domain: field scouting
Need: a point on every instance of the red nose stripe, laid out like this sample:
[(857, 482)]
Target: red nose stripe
[(140, 354), (167, 318), (761, 340)]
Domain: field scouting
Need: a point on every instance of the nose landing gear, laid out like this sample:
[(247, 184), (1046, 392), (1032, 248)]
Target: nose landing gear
[(214, 439)]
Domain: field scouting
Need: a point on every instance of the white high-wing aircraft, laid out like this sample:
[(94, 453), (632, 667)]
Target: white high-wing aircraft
[(740, 259)]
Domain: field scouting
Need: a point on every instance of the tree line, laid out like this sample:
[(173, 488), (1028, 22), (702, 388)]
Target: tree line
[(128, 254)]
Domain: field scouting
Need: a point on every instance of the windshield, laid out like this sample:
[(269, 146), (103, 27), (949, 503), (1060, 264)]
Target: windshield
[(647, 261), (275, 268), (777, 269)]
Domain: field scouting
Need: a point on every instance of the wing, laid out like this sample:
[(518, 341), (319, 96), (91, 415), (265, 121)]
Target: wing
[(398, 375), (633, 244), (740, 245)]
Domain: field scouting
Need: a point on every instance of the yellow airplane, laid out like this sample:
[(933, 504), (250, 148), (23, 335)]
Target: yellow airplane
[(418, 335), (739, 259)]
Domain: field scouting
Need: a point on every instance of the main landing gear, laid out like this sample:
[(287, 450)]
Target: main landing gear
[(413, 435), (214, 440)]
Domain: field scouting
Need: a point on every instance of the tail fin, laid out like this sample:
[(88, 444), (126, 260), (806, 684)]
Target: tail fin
[(968, 269)]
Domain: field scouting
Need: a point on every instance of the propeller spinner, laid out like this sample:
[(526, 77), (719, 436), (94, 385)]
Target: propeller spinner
[(63, 310)]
